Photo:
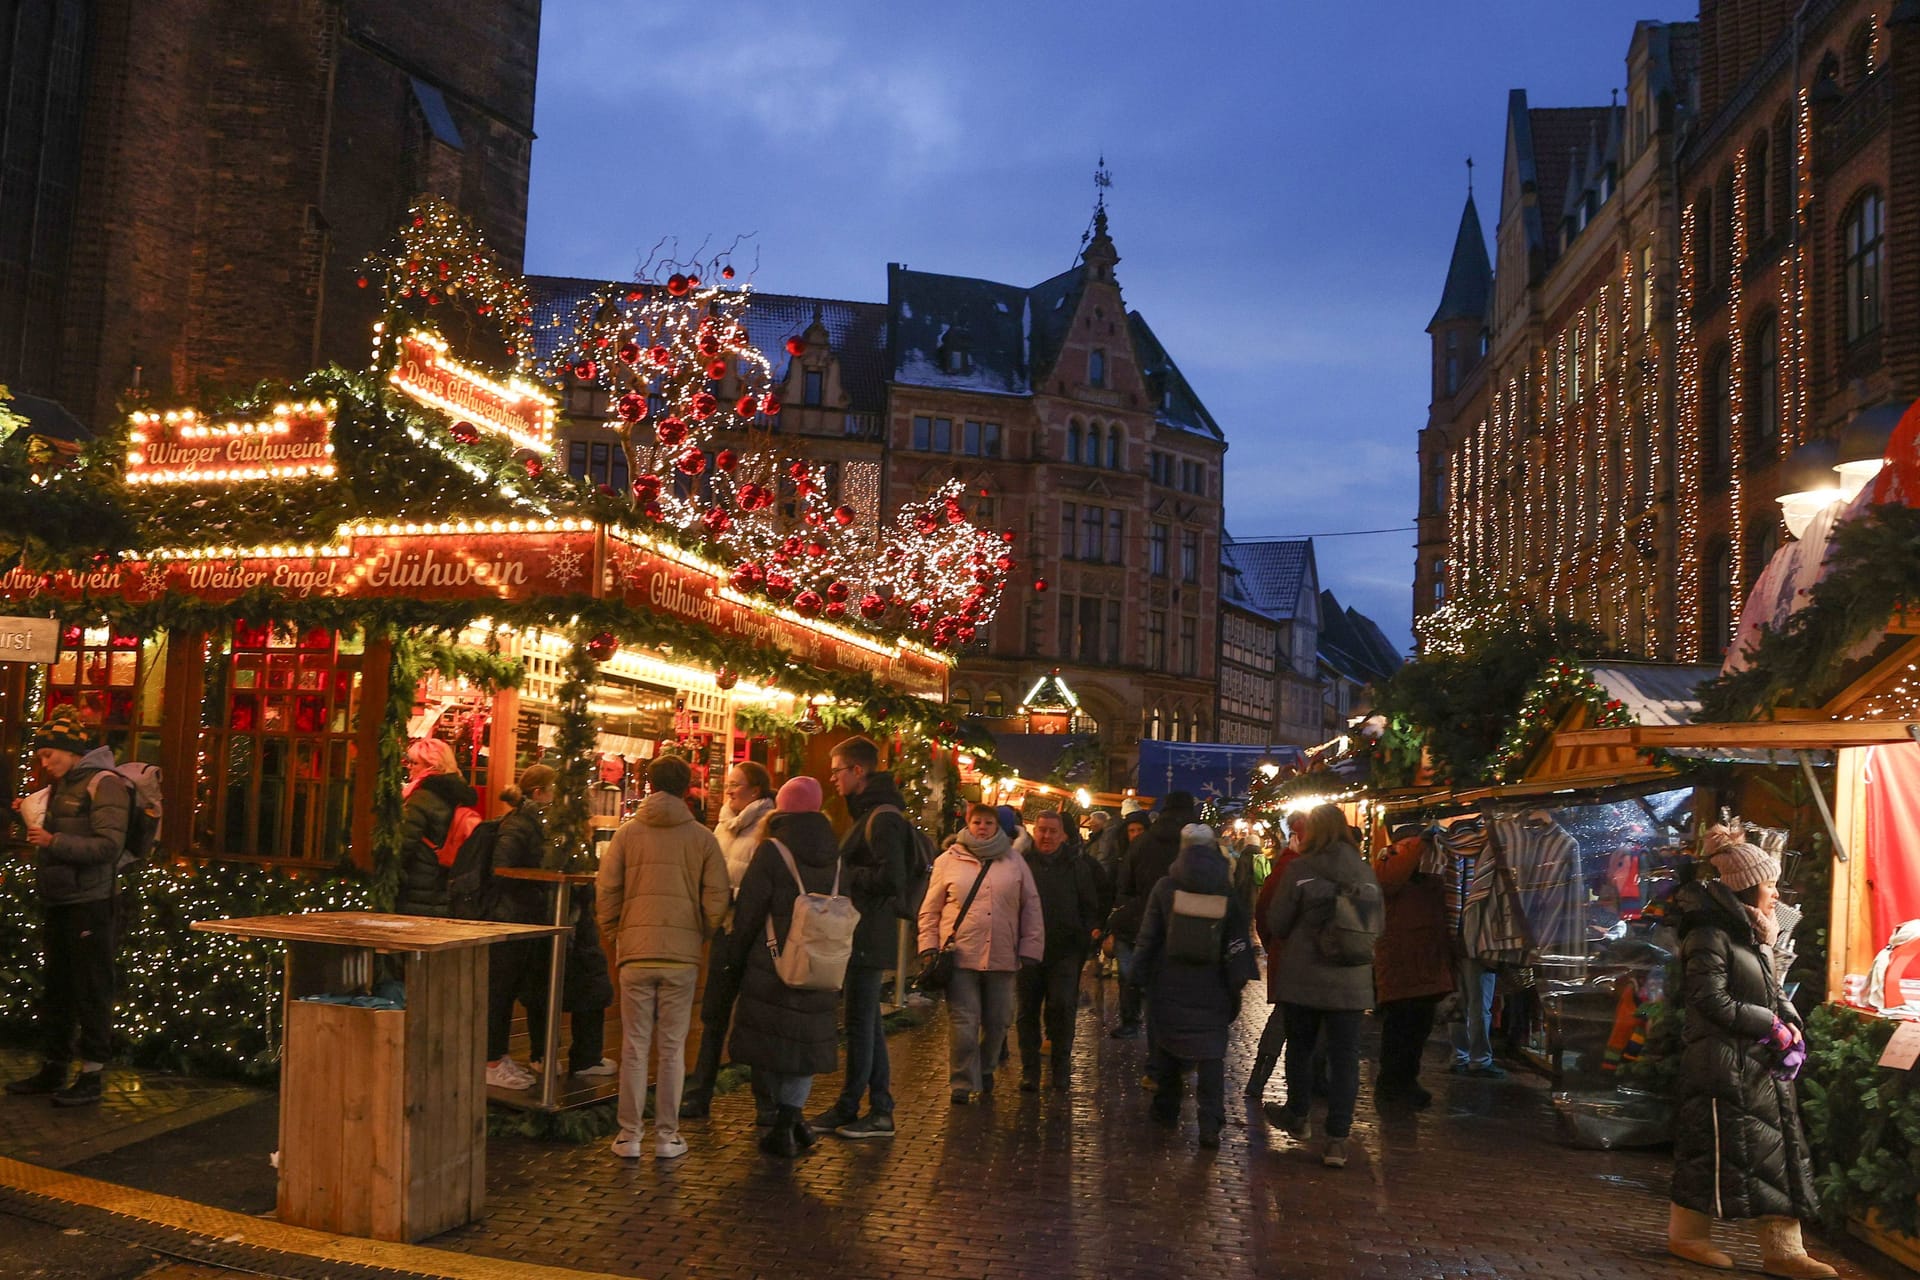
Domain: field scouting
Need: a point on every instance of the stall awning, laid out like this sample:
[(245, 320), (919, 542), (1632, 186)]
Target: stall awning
[(1778, 735)]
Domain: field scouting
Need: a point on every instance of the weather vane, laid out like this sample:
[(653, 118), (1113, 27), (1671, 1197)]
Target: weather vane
[(1102, 180)]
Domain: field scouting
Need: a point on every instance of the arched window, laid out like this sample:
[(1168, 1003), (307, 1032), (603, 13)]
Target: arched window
[(1198, 733), (1096, 368), (1781, 202), (1763, 391), (1716, 411), (1866, 267), (1179, 722), (995, 706), (1116, 448), (1860, 62), (1094, 443), (1073, 441), (1759, 193), (1453, 362), (961, 702), (1154, 721)]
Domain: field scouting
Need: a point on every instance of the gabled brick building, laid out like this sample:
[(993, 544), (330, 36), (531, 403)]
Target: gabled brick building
[(189, 187), (1071, 425)]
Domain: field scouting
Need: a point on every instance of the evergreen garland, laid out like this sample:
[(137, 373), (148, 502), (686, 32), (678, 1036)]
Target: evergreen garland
[(572, 847), (1863, 1121), (1560, 684)]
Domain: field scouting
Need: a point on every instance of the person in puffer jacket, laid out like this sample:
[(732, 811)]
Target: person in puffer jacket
[(1001, 933), (434, 790), (78, 842), (1738, 1148)]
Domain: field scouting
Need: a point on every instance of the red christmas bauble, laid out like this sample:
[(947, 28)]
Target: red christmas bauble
[(726, 273), (815, 547), (1039, 584), (770, 405), (534, 466), (965, 633), (709, 346), (660, 355), (1007, 537), (836, 590), (806, 488), (813, 519), (677, 285), (1004, 564), (744, 406), (646, 488), (693, 282), (670, 431), (629, 353), (703, 405), (465, 432), (836, 609), (653, 511), (362, 282), (717, 521), (741, 580), (691, 462), (632, 407), (726, 677), (925, 523), (717, 370), (796, 346), (798, 470), (603, 646), (586, 370), (808, 603), (726, 459), (920, 611), (844, 515), (779, 585), (872, 606)]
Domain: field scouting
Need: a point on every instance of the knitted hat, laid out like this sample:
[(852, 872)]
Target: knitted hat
[(1742, 866), (1009, 819), (798, 795), (64, 731), (1198, 833), (1138, 818)]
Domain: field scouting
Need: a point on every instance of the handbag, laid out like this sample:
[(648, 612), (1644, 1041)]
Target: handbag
[(938, 972)]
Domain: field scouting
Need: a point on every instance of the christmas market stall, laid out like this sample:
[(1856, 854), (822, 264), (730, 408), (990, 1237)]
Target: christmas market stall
[(1826, 663), (267, 600)]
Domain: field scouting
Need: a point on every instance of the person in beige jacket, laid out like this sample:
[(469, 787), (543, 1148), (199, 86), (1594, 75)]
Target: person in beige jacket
[(661, 893)]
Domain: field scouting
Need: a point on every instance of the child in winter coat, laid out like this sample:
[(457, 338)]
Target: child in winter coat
[(1001, 932), (1193, 956)]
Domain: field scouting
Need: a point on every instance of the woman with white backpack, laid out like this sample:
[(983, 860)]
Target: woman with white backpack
[(787, 1034)]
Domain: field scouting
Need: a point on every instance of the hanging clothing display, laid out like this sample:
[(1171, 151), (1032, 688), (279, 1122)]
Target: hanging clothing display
[(1493, 922), (1454, 852), (1549, 879)]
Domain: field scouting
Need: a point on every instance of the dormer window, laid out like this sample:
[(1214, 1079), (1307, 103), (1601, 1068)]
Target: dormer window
[(957, 361), (956, 351), (1096, 368), (812, 386)]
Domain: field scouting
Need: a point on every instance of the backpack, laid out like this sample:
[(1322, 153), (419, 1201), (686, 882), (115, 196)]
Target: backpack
[(144, 806), (470, 873), (920, 855), (1196, 930), (1343, 937), (819, 936)]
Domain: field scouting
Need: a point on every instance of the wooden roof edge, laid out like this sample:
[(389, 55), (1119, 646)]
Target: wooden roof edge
[(1782, 735)]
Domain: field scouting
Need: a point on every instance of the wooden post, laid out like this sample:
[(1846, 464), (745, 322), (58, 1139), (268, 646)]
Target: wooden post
[(1850, 943), (181, 698), (376, 680)]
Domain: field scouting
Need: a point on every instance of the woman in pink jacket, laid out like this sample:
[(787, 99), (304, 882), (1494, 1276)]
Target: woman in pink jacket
[(1000, 932)]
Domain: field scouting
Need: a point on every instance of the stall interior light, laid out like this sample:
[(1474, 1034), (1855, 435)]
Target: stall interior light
[(1799, 509), (1855, 476)]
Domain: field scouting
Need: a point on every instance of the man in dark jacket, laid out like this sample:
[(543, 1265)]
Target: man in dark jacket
[(876, 848), (1070, 906), (79, 840), (1148, 859)]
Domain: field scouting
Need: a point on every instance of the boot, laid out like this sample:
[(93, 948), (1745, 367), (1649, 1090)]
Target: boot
[(803, 1135), (1690, 1236), (85, 1091), (1783, 1254), (1263, 1065), (697, 1103), (779, 1139)]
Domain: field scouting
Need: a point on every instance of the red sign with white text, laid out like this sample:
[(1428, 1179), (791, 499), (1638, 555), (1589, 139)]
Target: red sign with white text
[(179, 448)]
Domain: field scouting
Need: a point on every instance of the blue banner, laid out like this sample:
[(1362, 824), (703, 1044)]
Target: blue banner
[(1220, 771)]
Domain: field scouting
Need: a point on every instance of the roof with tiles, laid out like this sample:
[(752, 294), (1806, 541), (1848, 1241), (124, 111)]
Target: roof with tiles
[(1178, 404), (1268, 576), (1561, 137), (857, 331), (1353, 644), (934, 315), (1469, 286)]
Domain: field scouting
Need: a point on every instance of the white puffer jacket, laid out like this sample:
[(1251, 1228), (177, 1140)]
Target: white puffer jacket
[(736, 834)]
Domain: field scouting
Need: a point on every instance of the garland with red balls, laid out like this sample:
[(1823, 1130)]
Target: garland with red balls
[(1561, 683)]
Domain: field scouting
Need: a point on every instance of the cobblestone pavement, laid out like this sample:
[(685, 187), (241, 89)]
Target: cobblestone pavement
[(137, 1106), (1037, 1185)]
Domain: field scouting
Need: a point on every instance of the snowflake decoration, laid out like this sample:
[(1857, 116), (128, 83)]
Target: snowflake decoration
[(564, 566), (153, 578)]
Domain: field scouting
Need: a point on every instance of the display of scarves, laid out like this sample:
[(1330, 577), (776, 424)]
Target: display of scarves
[(1456, 854), (1493, 922)]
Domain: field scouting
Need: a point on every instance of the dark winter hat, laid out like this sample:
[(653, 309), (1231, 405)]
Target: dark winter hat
[(1009, 819), (1177, 802), (64, 731)]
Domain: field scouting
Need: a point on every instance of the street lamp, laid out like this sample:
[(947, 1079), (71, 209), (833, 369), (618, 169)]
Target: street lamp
[(1862, 448)]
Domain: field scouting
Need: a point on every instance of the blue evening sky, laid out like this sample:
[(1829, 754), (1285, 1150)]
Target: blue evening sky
[(1287, 183)]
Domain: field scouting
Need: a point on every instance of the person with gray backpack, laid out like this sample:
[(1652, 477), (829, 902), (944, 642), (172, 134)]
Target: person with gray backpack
[(792, 935), (1326, 916)]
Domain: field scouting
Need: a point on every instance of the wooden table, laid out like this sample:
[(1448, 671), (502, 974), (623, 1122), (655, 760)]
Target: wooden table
[(383, 1128), (562, 882)]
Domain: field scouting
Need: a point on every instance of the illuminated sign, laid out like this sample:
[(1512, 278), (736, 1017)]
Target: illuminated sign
[(178, 447), (516, 408)]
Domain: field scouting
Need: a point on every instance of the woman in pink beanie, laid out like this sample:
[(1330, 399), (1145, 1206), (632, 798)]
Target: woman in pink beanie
[(798, 795)]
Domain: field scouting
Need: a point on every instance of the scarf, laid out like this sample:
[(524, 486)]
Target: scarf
[(998, 846)]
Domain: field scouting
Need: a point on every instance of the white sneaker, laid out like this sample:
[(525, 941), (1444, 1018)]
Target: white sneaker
[(605, 1067), (627, 1146), (670, 1148), (508, 1074)]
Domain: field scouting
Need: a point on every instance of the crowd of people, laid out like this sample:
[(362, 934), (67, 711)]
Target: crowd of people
[(1011, 912)]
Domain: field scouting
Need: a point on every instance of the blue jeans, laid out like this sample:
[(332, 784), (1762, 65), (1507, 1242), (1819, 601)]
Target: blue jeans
[(1133, 997), (867, 1067), (1472, 1037), (787, 1090)]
